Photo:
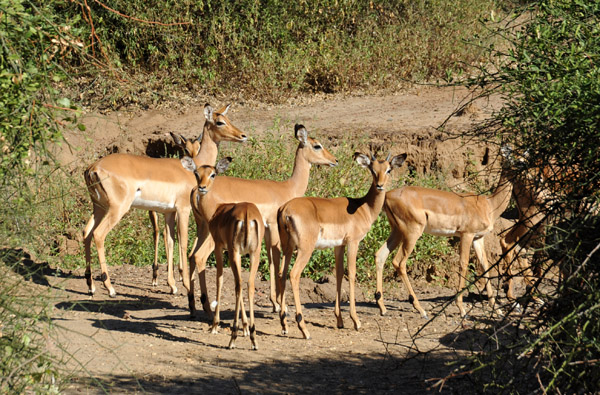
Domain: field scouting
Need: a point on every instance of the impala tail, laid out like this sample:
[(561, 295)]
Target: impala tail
[(94, 184)]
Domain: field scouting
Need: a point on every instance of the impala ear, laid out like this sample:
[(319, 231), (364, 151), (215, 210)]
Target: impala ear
[(223, 164), (224, 109), (301, 133), (362, 159), (178, 139), (208, 112), (188, 163), (398, 160)]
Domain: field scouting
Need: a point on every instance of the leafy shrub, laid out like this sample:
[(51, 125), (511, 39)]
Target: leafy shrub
[(550, 78)]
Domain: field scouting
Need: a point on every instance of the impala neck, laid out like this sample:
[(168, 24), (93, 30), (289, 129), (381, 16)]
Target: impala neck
[(207, 205), (298, 182), (209, 149), (374, 200), (501, 196)]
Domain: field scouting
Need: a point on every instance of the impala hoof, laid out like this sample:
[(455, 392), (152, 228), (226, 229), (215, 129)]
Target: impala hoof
[(173, 290), (112, 293)]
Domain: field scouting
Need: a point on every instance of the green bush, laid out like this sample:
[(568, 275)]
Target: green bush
[(549, 76), (273, 49)]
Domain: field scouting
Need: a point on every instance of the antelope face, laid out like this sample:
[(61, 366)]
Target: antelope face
[(312, 149), (220, 126), (380, 169), (190, 148)]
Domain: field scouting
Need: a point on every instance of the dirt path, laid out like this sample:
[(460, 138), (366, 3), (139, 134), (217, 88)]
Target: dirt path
[(144, 340)]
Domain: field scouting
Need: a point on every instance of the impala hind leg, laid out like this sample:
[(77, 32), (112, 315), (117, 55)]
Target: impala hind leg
[(380, 257), (105, 225), (399, 263), (254, 263), (301, 260), (88, 235), (236, 267)]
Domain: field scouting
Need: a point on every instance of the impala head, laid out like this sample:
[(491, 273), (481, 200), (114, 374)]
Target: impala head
[(205, 175), (313, 151), (190, 147), (220, 127), (380, 169)]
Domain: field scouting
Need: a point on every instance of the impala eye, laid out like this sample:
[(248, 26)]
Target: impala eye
[(317, 147), (388, 171), (221, 123), (213, 175)]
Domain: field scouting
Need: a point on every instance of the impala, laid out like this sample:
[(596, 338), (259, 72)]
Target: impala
[(268, 196), (190, 148), (514, 244), (411, 211), (119, 182), (309, 223), (237, 227)]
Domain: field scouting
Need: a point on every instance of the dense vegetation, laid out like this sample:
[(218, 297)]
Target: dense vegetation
[(56, 57), (550, 76)]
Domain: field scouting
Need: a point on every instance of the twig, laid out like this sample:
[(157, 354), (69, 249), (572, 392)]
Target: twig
[(141, 20)]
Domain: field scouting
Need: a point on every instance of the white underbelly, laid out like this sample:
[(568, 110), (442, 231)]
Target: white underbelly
[(440, 231), (328, 243), (152, 205)]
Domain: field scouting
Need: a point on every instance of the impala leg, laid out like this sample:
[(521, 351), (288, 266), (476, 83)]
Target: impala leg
[(192, 275), (301, 261), (399, 263), (352, 252), (465, 246), (156, 233), (88, 235), (203, 246), (217, 315), (183, 218), (380, 257), (479, 247), (339, 278), (169, 232), (272, 239), (236, 267), (254, 263), (110, 219), (288, 252)]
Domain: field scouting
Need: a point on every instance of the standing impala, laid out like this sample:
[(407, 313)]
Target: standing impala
[(310, 223), (268, 196), (411, 211), (119, 182), (237, 227)]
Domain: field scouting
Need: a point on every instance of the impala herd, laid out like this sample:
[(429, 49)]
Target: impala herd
[(236, 214)]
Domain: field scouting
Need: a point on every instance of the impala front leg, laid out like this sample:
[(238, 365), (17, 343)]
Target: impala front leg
[(169, 232), (465, 247), (203, 246), (339, 277), (274, 256), (155, 232), (217, 316), (380, 258), (352, 252)]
